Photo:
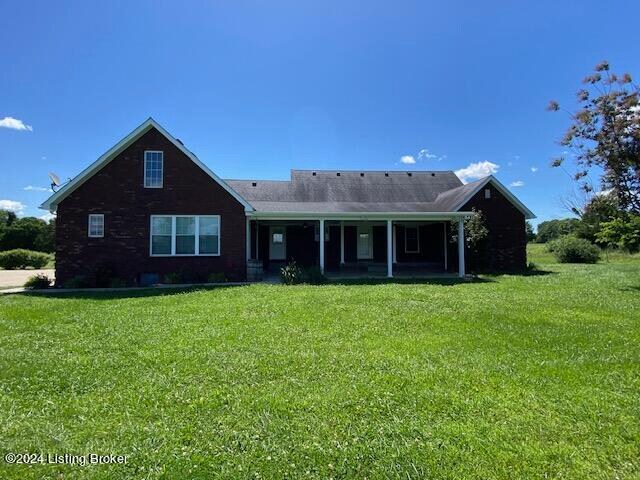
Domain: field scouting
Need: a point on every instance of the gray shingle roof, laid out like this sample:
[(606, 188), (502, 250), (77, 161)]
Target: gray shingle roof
[(335, 191)]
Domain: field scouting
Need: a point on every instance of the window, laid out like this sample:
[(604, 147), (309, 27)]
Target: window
[(411, 240), (365, 247), (209, 235), (185, 235), (487, 193), (161, 232), (96, 225), (153, 169)]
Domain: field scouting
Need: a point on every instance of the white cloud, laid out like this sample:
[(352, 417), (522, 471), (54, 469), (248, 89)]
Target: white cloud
[(31, 188), (425, 154), (12, 205), (534, 169), (15, 124), (477, 170), (408, 159), (47, 216), (517, 183)]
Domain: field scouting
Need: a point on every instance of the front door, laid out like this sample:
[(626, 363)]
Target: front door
[(277, 245), (365, 242)]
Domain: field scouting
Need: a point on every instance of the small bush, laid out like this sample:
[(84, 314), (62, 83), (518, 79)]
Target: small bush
[(570, 249), (314, 276), (79, 281), (173, 278), (291, 274), (217, 277), (20, 259), (38, 282)]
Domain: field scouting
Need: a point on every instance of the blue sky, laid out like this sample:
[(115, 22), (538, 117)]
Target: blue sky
[(258, 88)]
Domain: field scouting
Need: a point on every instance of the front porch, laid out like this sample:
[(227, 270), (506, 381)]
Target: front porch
[(416, 246)]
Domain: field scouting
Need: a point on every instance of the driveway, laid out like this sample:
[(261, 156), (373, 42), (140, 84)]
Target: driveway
[(16, 278)]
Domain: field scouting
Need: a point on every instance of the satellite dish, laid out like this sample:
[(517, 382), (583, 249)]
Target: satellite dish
[(55, 180)]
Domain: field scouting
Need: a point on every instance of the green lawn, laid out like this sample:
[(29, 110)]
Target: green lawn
[(510, 377)]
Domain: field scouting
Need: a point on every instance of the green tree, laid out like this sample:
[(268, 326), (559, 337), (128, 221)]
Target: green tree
[(23, 232), (552, 229), (601, 208), (531, 235), (622, 232), (605, 133)]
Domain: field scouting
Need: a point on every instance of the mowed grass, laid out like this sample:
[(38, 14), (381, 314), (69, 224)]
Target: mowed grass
[(532, 376)]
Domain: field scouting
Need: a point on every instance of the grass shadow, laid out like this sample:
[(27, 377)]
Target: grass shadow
[(142, 292), (446, 282)]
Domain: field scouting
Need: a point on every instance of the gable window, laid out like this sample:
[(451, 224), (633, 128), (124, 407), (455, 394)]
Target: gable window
[(153, 169), (411, 240), (487, 193), (185, 235), (96, 225)]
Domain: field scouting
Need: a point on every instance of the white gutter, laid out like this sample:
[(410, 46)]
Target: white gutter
[(358, 215)]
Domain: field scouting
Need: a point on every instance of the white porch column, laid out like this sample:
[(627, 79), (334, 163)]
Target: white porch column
[(390, 249), (446, 244), (248, 240), (395, 253), (322, 245), (461, 247), (341, 242)]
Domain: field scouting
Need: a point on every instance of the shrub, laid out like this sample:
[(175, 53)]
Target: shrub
[(291, 274), (570, 249), (173, 278), (79, 281), (20, 258), (39, 281), (216, 277)]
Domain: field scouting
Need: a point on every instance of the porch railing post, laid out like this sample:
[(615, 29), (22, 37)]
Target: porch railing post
[(322, 245), (389, 249), (461, 247)]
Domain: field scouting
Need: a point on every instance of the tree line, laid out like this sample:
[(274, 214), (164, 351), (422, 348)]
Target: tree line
[(28, 233)]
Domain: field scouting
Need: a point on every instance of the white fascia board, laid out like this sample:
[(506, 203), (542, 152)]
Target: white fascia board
[(528, 214), (359, 215), (52, 202)]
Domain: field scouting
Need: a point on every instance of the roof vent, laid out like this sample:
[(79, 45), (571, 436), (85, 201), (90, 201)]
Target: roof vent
[(337, 174), (409, 174), (254, 184), (433, 174), (361, 174), (180, 142), (386, 174), (313, 173)]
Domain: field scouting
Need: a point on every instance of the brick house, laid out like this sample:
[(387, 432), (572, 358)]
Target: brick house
[(149, 207)]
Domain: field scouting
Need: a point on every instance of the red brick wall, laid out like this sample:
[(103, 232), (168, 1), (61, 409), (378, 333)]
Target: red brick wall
[(117, 191), (506, 248)]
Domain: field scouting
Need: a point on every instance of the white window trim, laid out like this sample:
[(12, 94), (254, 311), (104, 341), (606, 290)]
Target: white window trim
[(97, 215), (173, 237), (144, 173), (406, 250)]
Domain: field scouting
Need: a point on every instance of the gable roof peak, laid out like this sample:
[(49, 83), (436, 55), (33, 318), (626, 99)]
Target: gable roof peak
[(52, 202)]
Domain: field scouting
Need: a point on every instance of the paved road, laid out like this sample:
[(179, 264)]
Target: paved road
[(16, 278)]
